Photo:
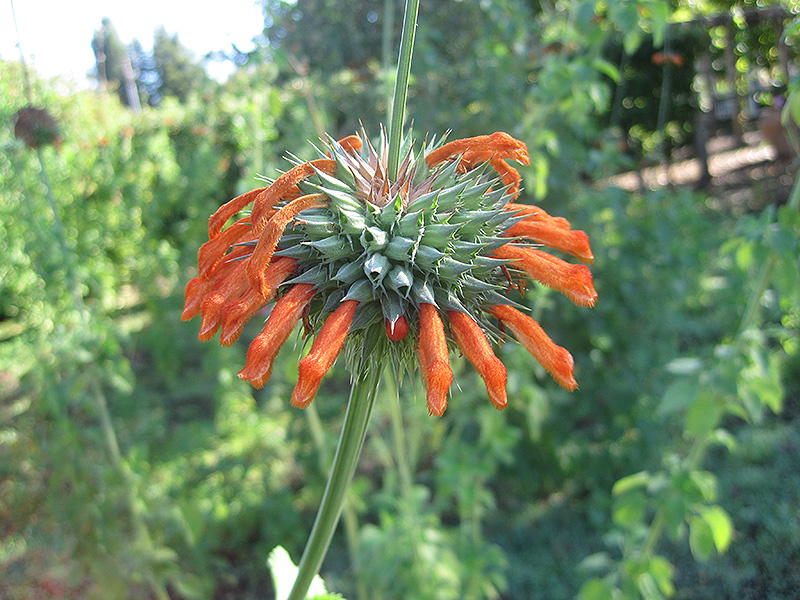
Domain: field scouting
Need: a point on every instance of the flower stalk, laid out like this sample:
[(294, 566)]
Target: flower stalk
[(401, 86), (354, 431)]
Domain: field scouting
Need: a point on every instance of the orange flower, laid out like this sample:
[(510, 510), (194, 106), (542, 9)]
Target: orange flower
[(555, 359), (344, 248), (433, 360), (283, 318), (574, 281), (324, 351), (473, 343)]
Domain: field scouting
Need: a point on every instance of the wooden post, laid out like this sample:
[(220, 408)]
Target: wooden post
[(704, 119)]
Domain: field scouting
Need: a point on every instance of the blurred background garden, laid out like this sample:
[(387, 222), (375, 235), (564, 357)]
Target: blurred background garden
[(135, 464)]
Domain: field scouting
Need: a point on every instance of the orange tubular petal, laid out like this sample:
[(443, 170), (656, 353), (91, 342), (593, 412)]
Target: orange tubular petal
[(283, 318), (508, 174), (574, 281), (556, 360), (534, 213), (324, 350), (570, 241), (196, 290), (214, 250), (285, 185), (272, 233), (234, 284), (199, 287), (351, 143), (483, 147), (473, 343), (434, 361), (237, 312), (227, 210)]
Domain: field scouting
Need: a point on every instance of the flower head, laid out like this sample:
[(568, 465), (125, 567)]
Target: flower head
[(390, 268)]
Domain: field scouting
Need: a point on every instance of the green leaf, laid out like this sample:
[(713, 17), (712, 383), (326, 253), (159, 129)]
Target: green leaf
[(423, 292), (648, 587), (399, 248), (704, 482), (607, 69), (426, 256), (703, 415), (721, 526), (761, 383), (678, 396), (724, 438), (374, 239), (684, 366), (596, 589), (791, 110), (662, 571), (349, 272), (632, 40), (361, 290), (701, 538), (333, 247), (541, 169), (630, 482), (792, 29), (629, 509)]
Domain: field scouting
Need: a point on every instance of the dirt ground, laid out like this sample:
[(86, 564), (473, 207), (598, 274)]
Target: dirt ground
[(746, 174)]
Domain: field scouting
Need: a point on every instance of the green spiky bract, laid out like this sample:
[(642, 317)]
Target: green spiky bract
[(433, 243)]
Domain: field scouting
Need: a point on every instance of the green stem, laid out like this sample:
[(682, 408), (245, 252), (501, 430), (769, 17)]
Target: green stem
[(354, 430), (386, 51), (401, 86), (765, 274), (349, 517)]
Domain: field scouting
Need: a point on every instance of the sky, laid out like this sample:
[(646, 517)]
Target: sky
[(56, 35)]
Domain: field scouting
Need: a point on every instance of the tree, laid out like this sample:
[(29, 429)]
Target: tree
[(113, 63), (177, 73)]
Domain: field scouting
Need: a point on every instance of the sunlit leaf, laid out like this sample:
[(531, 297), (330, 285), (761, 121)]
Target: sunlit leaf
[(701, 538), (721, 526), (596, 589), (630, 482)]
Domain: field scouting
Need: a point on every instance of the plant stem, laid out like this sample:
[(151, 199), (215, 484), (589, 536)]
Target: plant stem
[(386, 51), (349, 517), (401, 86), (765, 273), (354, 430)]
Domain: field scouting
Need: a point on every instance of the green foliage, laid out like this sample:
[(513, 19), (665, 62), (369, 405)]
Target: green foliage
[(671, 472)]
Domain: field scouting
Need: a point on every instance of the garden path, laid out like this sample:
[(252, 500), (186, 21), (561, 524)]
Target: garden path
[(746, 174)]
